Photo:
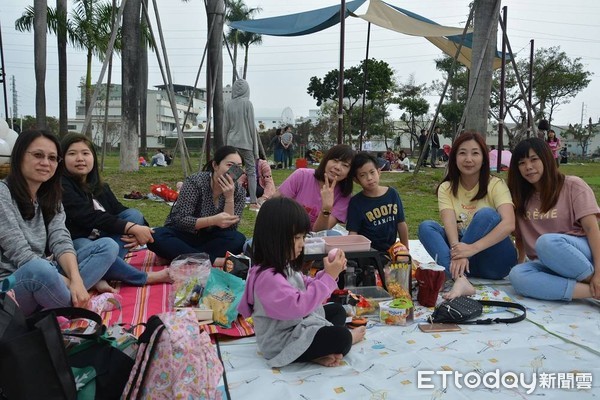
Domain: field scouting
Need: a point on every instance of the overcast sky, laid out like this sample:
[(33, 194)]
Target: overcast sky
[(280, 69)]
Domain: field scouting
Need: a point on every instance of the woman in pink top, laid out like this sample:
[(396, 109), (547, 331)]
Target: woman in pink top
[(554, 143), (557, 228), (325, 192)]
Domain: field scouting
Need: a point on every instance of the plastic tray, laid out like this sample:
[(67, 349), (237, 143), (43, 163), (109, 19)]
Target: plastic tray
[(347, 243)]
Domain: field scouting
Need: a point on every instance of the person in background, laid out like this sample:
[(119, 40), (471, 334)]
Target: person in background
[(435, 145), (403, 162), (265, 188), (277, 149), (376, 212), (554, 144), (287, 142), (422, 143), (557, 235), (291, 321), (477, 216), (390, 156), (93, 212), (240, 132), (158, 159), (324, 192), (168, 158), (382, 163), (205, 217), (36, 250)]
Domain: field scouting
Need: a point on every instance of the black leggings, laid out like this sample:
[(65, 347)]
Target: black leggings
[(335, 339)]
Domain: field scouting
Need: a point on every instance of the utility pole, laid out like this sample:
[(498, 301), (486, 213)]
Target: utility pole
[(3, 75), (15, 96)]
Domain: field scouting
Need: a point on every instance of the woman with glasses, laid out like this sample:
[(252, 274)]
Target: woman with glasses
[(36, 250)]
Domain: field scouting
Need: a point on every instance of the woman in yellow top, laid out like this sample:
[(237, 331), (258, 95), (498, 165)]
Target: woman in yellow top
[(477, 216)]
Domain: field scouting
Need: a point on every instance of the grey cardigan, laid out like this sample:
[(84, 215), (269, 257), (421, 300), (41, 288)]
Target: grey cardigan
[(22, 241)]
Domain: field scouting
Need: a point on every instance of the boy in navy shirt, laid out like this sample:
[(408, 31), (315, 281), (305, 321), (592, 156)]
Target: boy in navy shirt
[(376, 212)]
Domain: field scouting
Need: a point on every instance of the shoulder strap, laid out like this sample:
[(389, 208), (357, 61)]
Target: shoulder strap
[(505, 304)]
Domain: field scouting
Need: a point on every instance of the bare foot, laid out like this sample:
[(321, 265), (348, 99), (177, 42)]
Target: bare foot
[(461, 287), (358, 334), (331, 360), (103, 287), (162, 276)]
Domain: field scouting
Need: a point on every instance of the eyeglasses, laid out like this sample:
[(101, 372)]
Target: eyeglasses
[(40, 155)]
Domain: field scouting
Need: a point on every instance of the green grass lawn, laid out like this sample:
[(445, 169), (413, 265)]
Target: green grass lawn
[(417, 191)]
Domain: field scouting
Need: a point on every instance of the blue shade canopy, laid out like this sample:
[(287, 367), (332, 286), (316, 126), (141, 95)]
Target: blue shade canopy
[(297, 24), (378, 13)]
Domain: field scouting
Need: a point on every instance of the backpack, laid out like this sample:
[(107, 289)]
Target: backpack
[(175, 360)]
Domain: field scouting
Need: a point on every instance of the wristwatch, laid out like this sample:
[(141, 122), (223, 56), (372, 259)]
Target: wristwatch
[(326, 213)]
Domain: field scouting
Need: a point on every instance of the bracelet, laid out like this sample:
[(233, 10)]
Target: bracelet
[(326, 213), (128, 229)]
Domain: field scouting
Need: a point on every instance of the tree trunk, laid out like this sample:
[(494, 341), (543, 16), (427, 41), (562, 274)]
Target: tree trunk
[(40, 26), (246, 48), (88, 90), (143, 93), (130, 66), (235, 52), (215, 11), (61, 38), (486, 22)]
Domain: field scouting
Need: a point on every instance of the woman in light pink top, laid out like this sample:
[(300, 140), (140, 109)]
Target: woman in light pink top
[(557, 234)]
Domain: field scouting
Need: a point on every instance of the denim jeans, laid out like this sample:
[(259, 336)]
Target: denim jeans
[(170, 242), (563, 260), (119, 270), (494, 262), (40, 282), (250, 168), (131, 215)]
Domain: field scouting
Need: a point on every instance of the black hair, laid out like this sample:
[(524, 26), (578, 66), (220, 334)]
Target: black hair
[(360, 159), (340, 152), (93, 182), (220, 154), (552, 180), (453, 173), (49, 194), (277, 222)]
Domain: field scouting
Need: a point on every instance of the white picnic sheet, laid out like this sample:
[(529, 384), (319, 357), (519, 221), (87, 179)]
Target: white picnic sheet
[(558, 342)]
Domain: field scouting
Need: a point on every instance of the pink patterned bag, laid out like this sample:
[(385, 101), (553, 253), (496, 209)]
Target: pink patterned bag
[(175, 360)]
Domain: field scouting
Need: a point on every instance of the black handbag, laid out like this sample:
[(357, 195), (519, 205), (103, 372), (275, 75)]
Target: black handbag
[(111, 366), (33, 361), (462, 310)]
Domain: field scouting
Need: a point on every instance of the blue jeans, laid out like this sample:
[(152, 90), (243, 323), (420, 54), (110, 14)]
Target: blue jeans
[(170, 242), (492, 263), (563, 260), (131, 215), (40, 282), (119, 270)]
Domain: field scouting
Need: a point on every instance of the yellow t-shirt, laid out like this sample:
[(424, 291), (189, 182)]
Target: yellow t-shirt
[(464, 207)]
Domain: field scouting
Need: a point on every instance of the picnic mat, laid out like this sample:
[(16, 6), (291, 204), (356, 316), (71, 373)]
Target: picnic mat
[(558, 343), (140, 303)]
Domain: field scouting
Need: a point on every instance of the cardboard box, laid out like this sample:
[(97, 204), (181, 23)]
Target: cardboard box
[(347, 243)]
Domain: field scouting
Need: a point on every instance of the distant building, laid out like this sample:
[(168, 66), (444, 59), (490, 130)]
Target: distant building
[(160, 120)]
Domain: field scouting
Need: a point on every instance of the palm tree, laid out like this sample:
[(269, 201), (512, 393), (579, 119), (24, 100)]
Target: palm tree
[(40, 8), (484, 48), (61, 39), (246, 40), (88, 27), (130, 90), (237, 10)]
